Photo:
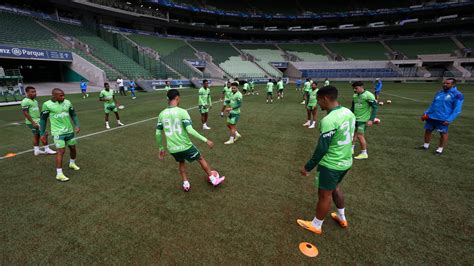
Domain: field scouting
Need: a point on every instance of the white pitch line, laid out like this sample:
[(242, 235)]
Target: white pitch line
[(103, 131), (410, 99)]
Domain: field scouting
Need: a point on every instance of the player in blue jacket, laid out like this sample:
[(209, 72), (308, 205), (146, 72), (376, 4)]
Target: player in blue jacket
[(378, 88), (132, 88), (445, 108), (83, 86)]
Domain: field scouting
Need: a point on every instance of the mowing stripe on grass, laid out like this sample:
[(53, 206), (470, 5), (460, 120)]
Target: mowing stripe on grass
[(103, 131)]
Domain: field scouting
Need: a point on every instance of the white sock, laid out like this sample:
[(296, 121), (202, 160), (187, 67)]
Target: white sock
[(186, 183), (353, 147), (72, 161), (363, 152), (36, 148), (426, 145), (317, 223), (236, 133), (107, 123), (222, 113), (231, 138), (59, 171), (340, 214), (439, 149), (118, 121)]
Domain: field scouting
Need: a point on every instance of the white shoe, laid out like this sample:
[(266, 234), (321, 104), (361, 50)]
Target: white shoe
[(39, 152), (120, 124), (229, 142), (47, 150), (87, 95), (107, 126), (205, 127), (313, 125), (307, 124), (133, 98), (218, 181), (303, 102), (186, 186), (237, 136), (278, 98)]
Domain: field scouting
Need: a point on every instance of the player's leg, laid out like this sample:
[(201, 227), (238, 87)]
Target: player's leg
[(71, 143), (314, 114), (363, 146), (44, 140), (117, 116), (339, 216), (107, 126), (215, 180), (443, 141), (133, 93), (308, 118), (232, 132), (223, 108), (184, 174), (59, 161)]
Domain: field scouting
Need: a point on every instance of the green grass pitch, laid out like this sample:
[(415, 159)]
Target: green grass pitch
[(126, 207)]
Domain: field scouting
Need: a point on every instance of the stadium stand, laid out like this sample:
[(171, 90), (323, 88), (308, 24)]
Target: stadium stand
[(306, 52), (31, 34), (359, 50), (414, 47), (103, 50), (264, 54), (468, 41), (408, 71), (237, 67), (346, 69), (171, 51), (220, 52)]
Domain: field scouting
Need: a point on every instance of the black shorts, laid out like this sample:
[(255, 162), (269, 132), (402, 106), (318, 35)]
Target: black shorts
[(192, 154)]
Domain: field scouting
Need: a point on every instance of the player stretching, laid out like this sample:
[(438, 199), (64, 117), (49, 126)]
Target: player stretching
[(306, 90), (333, 157), (364, 107), (445, 108), (270, 90), (176, 123), (281, 87), (234, 113), (83, 86), (378, 88), (226, 93), (30, 109), (312, 107), (110, 104), (205, 103), (60, 112)]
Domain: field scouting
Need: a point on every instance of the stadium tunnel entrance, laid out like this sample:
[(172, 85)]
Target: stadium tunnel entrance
[(42, 70)]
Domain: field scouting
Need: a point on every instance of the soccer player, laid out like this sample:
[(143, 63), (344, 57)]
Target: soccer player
[(226, 93), (205, 103), (312, 107), (110, 104), (333, 157), (378, 88), (121, 86), (364, 107), (176, 123), (30, 109), (60, 112), (445, 108), (298, 84), (167, 85), (234, 113), (326, 82), (246, 88), (270, 90), (132, 88), (306, 90), (252, 87), (281, 87), (83, 86)]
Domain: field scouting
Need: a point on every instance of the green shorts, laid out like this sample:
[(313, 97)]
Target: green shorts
[(361, 127), (190, 155), (62, 141), (110, 108), (226, 102), (280, 90), (203, 109), (269, 93), (311, 107), (328, 179), (233, 119), (35, 131)]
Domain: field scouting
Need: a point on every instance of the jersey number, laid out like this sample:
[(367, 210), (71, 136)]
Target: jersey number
[(172, 127), (347, 132)]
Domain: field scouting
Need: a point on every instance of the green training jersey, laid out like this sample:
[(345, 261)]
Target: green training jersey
[(313, 101), (167, 88), (270, 86), (362, 105), (236, 102), (252, 84), (108, 96), (173, 121), (326, 83), (246, 87), (227, 93), (280, 85), (205, 96), (31, 106), (307, 86), (59, 116), (338, 128)]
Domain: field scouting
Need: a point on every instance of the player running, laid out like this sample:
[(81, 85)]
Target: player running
[(83, 86), (226, 93), (312, 107), (205, 103), (326, 82), (445, 108), (280, 87), (176, 123), (378, 88), (60, 112), (333, 157), (110, 104), (30, 109), (234, 114), (364, 107), (270, 90), (132, 89)]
